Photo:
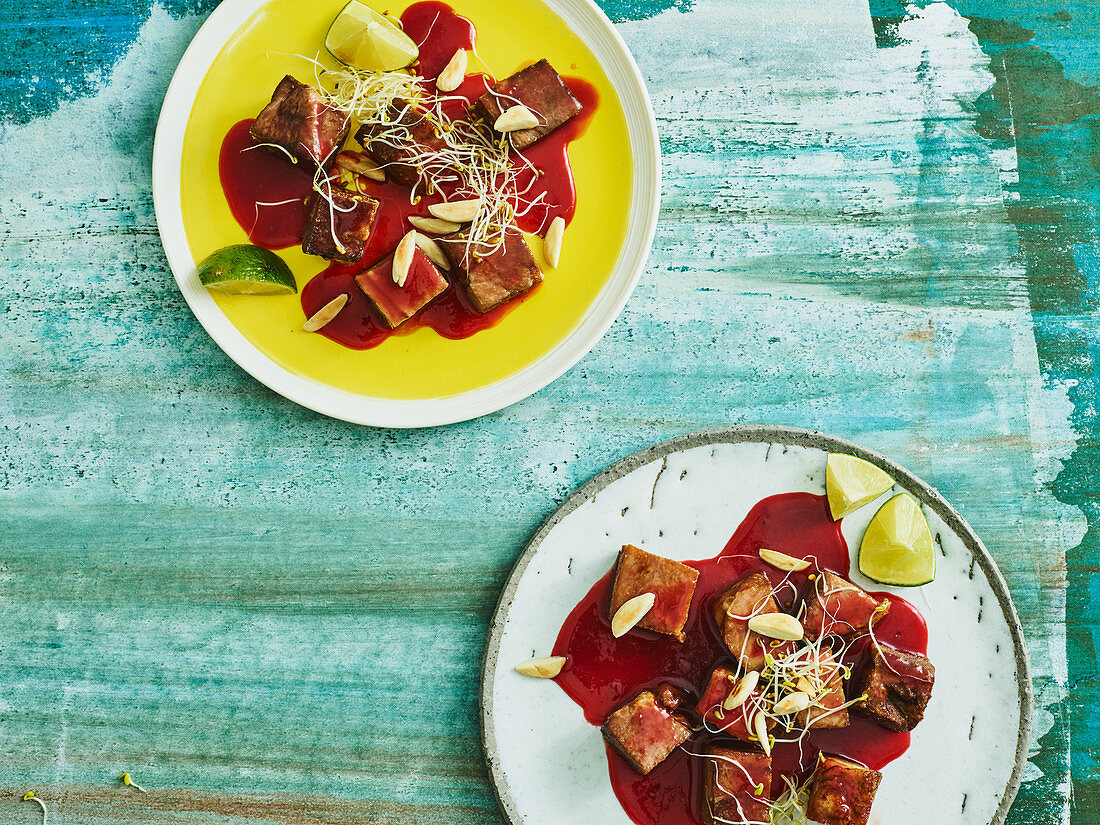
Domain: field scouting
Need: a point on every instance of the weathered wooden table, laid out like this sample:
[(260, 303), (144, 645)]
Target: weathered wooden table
[(878, 225)]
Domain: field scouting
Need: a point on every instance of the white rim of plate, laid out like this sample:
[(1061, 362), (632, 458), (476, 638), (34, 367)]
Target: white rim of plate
[(766, 434), (596, 31)]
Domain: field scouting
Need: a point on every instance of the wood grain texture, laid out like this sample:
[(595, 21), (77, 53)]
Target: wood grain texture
[(267, 616)]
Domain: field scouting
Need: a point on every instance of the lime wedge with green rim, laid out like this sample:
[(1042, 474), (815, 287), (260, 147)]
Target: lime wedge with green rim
[(897, 547), (361, 37), (851, 482), (246, 269)]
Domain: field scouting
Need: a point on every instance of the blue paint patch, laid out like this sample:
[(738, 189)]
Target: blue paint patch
[(53, 53), (622, 10), (56, 53), (1086, 257)]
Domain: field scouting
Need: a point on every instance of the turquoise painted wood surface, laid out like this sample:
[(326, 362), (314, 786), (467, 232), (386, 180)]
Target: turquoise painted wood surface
[(879, 222)]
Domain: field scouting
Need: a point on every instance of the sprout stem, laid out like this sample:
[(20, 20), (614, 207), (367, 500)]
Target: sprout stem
[(29, 796), (128, 781)]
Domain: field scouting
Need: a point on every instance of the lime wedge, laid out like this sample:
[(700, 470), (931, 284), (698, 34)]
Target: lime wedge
[(246, 270), (897, 547), (361, 37), (851, 482)]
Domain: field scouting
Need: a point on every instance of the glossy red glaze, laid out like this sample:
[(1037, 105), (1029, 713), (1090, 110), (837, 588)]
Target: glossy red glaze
[(252, 175), (602, 672), (550, 156), (438, 33), (396, 304), (358, 327)]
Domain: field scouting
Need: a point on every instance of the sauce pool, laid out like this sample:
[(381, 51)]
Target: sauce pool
[(603, 672), (266, 193)]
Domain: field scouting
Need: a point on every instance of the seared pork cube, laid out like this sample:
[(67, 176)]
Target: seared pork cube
[(673, 583), (837, 607), (397, 304), (339, 224), (841, 791), (490, 280), (299, 120), (736, 722), (736, 786), (540, 89), (645, 731), (403, 160), (749, 596), (824, 683), (897, 685)]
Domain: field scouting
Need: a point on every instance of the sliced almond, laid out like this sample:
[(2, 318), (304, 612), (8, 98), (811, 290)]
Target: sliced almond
[(791, 703), (326, 313), (631, 612), (403, 256), (783, 561), (453, 73), (806, 686), (433, 251), (760, 728), (745, 685), (777, 626), (434, 225), (516, 118), (552, 245), (361, 165), (545, 668), (456, 211)]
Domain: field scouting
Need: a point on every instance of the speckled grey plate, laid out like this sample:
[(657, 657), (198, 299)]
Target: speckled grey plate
[(684, 499)]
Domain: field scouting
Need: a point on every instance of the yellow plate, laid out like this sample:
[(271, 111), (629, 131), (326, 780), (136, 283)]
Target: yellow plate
[(421, 378)]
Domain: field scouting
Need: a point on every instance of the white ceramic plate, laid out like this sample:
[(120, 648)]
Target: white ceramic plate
[(590, 24), (684, 499)]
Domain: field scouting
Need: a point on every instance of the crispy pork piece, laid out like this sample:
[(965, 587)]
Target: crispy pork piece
[(339, 230), (826, 689), (403, 162), (749, 596), (897, 685), (540, 89), (397, 304), (736, 722), (673, 583), (491, 280), (299, 120), (736, 786), (838, 607), (841, 791), (670, 697), (645, 731)]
